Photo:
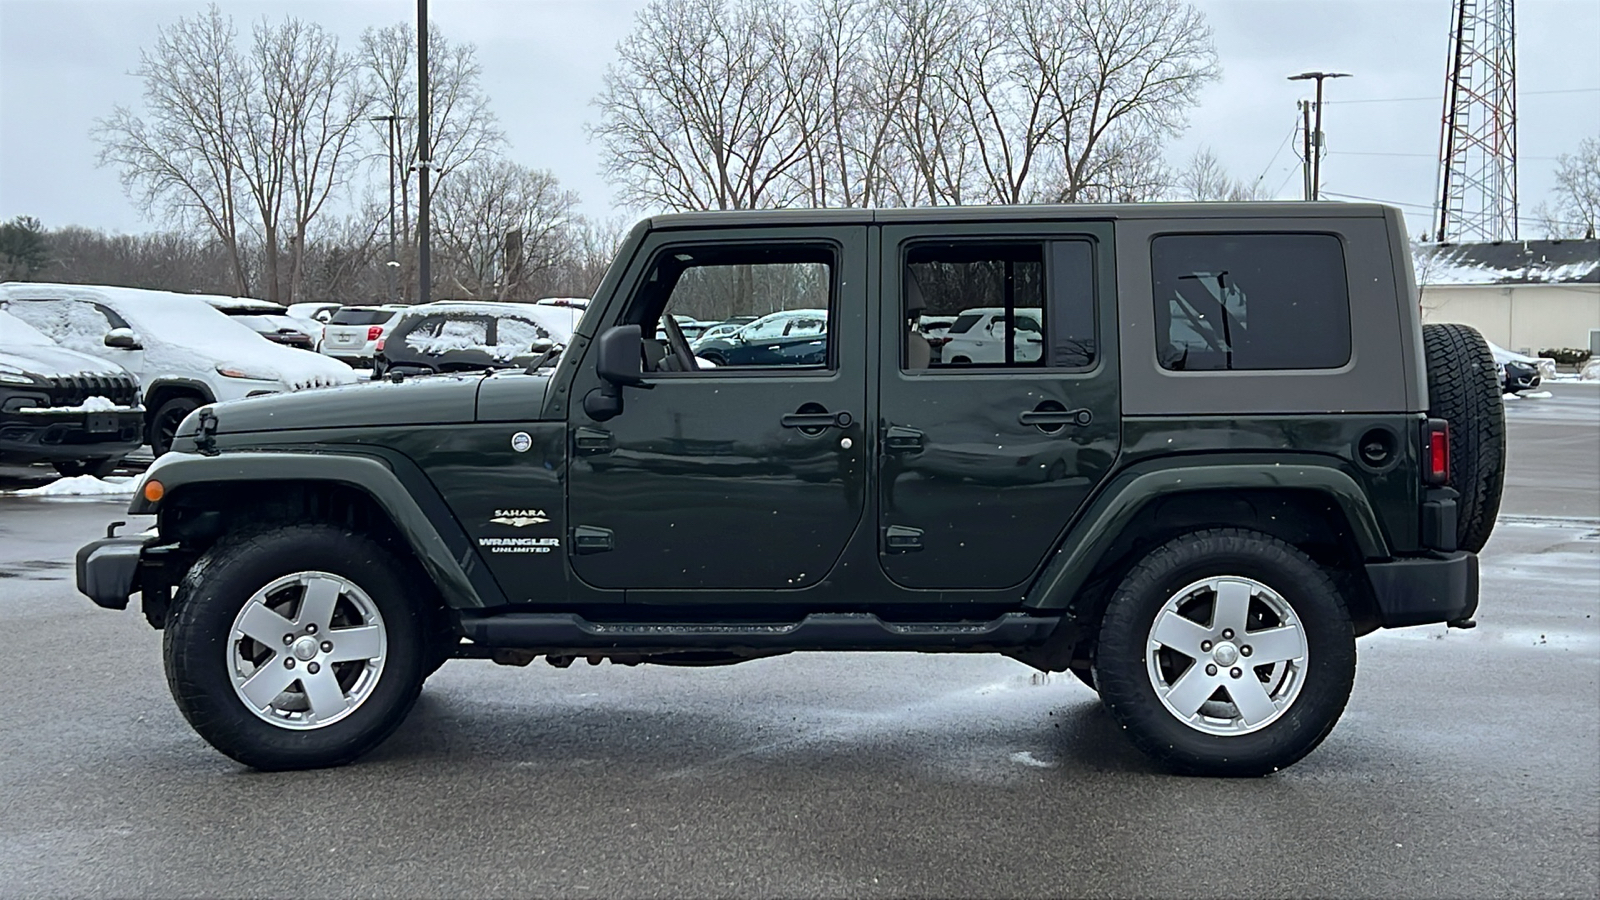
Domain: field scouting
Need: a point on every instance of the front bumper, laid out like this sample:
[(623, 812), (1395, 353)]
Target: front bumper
[(108, 569), (48, 434), (1438, 588)]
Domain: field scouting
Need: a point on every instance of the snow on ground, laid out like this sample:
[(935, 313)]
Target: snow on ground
[(82, 486)]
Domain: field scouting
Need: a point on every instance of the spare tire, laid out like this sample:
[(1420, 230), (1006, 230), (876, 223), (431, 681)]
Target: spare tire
[(1464, 390)]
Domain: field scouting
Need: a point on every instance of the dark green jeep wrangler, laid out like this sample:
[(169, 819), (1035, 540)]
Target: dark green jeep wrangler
[(1188, 453)]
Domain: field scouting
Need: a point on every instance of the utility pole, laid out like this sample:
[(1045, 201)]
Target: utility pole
[(1317, 142), (393, 262), (423, 152), (1305, 135)]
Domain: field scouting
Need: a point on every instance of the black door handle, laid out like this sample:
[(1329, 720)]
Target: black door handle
[(1055, 417), (817, 420)]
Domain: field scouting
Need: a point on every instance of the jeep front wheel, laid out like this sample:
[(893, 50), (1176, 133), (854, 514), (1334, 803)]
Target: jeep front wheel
[(295, 648), (1226, 652)]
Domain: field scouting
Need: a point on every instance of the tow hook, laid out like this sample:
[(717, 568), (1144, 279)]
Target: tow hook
[(1463, 623)]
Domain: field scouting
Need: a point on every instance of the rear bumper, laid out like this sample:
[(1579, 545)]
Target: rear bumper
[(1438, 588), (108, 569)]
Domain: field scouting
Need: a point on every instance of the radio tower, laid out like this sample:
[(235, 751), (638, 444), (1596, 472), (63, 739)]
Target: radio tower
[(1478, 140)]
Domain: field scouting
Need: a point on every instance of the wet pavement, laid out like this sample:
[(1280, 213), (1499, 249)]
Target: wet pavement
[(1467, 764)]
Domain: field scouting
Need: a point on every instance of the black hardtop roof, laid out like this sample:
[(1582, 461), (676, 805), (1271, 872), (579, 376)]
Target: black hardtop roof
[(1042, 212)]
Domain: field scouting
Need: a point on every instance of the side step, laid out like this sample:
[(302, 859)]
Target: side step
[(568, 633)]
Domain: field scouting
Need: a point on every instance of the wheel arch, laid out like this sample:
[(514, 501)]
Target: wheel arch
[(1314, 507), (205, 497)]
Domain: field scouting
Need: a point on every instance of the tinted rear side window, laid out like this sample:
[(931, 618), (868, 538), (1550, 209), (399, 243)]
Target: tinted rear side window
[(1250, 301), (361, 316)]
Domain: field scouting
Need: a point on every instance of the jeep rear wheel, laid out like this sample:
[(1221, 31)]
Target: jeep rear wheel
[(296, 648), (1226, 652), (1464, 389)]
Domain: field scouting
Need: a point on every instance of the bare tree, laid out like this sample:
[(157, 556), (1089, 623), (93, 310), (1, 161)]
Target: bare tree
[(245, 144), (694, 114), (182, 160), (1134, 69), (301, 109), (500, 225), (1205, 178), (1574, 205), (461, 129)]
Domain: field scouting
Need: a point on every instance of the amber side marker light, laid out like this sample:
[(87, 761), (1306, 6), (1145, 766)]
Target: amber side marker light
[(153, 491)]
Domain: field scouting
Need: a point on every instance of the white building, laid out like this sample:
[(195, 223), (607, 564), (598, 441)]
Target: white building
[(1526, 296)]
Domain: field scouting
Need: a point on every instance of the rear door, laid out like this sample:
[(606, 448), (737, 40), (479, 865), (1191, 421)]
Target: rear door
[(983, 462)]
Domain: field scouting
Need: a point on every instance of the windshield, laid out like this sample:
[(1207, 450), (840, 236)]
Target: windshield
[(17, 332), (361, 316)]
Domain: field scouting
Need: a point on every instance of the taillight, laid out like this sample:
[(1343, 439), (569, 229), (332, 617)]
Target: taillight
[(380, 345), (1437, 452), (374, 332)]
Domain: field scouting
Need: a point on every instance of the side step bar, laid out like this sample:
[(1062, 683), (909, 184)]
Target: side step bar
[(568, 633)]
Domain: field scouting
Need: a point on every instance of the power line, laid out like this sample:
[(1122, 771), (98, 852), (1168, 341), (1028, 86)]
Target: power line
[(1418, 206), (1286, 139), (1421, 155), (1435, 98)]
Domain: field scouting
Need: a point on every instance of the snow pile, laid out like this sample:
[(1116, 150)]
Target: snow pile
[(82, 486)]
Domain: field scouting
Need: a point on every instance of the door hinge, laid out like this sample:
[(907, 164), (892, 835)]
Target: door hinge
[(589, 441), (900, 439), (902, 539), (592, 539)]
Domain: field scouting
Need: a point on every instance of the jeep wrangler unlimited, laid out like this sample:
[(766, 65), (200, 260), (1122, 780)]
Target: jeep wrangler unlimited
[(1188, 453)]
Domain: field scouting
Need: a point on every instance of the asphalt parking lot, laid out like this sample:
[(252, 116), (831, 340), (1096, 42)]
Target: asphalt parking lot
[(1467, 764)]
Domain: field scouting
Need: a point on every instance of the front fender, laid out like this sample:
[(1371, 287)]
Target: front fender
[(440, 545), (1128, 493)]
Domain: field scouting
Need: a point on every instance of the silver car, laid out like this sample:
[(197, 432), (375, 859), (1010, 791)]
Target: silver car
[(352, 335)]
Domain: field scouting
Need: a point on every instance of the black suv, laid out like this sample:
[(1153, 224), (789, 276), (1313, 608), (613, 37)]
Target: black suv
[(75, 411), (1224, 450)]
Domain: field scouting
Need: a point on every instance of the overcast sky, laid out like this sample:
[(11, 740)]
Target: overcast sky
[(64, 63)]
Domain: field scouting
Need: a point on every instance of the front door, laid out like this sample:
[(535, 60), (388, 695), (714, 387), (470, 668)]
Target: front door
[(996, 430), (750, 475)]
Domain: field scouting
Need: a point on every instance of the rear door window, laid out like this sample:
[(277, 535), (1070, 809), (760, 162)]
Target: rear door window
[(361, 316), (1250, 301)]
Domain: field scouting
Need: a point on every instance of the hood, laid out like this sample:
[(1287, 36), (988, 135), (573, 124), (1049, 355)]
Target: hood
[(51, 361), (433, 400)]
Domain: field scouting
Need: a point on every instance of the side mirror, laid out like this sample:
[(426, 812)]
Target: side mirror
[(324, 317), (541, 345), (619, 355), (123, 339)]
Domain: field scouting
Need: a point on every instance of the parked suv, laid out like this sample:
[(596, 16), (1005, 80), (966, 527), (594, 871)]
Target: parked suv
[(1236, 451), (352, 335), (185, 353), (79, 413)]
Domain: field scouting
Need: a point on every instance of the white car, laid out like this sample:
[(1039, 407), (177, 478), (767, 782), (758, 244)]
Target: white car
[(352, 335), (184, 352), (978, 336)]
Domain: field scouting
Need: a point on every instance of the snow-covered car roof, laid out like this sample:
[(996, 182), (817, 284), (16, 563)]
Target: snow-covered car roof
[(184, 332), (244, 305)]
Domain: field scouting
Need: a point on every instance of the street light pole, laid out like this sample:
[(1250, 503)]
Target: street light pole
[(1316, 137), (392, 263)]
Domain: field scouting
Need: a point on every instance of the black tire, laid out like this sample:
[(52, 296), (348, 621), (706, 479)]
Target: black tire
[(1128, 689), (165, 420), (197, 646), (99, 468), (1464, 390)]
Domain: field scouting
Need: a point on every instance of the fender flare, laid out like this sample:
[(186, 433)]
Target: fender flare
[(449, 557), (1110, 513)]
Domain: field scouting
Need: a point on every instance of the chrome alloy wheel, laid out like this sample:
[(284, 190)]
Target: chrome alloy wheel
[(306, 650), (1227, 655)]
